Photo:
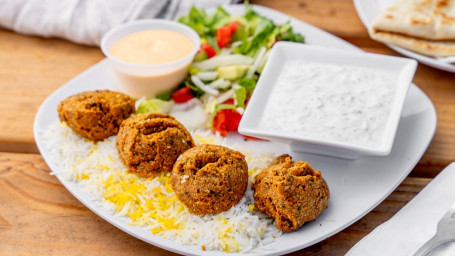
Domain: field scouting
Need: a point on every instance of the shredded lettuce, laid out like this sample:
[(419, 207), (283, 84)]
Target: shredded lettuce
[(206, 25), (166, 96), (224, 106), (154, 105), (240, 95), (247, 49), (248, 83)]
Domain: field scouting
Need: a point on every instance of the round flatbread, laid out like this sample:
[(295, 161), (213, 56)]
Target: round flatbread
[(423, 26)]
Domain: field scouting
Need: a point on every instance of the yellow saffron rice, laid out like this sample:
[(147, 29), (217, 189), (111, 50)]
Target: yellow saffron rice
[(152, 203)]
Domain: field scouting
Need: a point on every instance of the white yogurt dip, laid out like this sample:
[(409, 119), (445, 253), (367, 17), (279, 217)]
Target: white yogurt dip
[(347, 104)]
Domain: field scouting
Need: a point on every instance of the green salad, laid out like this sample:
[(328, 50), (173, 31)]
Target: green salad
[(234, 50)]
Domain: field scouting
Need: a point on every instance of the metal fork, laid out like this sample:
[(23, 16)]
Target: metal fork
[(445, 233)]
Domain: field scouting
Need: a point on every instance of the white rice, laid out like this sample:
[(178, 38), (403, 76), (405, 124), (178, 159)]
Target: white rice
[(152, 203)]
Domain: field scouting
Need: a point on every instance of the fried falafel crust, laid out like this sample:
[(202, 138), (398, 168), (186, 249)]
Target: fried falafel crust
[(151, 143), (210, 179), (290, 192), (96, 115)]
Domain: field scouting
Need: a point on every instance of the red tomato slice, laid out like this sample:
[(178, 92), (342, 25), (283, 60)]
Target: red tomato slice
[(233, 26), (207, 48), (220, 123), (234, 120), (182, 95), (226, 120), (229, 102), (223, 36)]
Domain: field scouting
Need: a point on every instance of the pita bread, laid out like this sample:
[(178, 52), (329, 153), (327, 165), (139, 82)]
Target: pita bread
[(423, 26), (425, 47)]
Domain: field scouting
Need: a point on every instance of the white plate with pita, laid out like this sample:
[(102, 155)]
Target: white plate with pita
[(356, 186), (368, 10)]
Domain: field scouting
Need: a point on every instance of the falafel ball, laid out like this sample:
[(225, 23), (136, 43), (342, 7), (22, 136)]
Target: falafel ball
[(210, 178), (96, 115), (150, 143), (290, 192)]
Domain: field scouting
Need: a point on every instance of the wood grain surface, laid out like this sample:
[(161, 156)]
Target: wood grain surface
[(38, 216), (31, 68)]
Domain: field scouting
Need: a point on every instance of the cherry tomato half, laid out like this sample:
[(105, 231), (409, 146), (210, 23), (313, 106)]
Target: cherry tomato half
[(182, 95)]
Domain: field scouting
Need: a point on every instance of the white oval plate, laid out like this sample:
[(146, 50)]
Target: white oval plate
[(356, 186), (368, 10)]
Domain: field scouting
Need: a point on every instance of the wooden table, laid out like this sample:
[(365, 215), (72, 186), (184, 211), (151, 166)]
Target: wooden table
[(39, 217)]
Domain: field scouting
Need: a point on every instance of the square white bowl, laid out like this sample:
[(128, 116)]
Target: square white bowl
[(283, 52)]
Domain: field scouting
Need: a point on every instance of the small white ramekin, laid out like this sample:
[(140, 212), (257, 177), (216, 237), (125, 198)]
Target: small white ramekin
[(282, 52), (139, 80)]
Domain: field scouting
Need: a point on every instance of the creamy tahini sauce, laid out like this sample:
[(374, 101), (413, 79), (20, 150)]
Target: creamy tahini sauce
[(338, 103), (152, 47)]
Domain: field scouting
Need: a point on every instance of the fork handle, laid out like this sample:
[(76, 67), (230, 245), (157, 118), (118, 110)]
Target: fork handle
[(435, 241)]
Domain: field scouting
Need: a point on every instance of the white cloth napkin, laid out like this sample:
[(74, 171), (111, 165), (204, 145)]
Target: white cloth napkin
[(415, 223), (85, 21)]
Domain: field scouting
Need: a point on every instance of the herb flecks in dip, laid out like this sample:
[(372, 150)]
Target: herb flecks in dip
[(346, 104)]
